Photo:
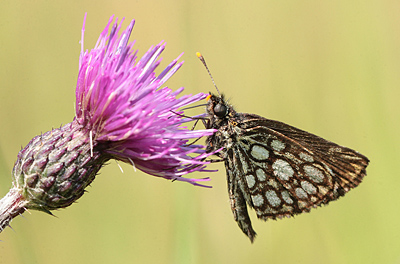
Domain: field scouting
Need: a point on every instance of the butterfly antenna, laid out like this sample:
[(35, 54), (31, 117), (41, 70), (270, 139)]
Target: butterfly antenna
[(198, 54)]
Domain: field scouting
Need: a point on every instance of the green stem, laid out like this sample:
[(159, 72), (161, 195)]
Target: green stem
[(11, 206)]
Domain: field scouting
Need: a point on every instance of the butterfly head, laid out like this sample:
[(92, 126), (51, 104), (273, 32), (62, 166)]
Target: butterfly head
[(217, 107)]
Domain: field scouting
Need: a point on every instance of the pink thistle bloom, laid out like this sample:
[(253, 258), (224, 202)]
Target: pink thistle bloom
[(122, 113), (119, 100)]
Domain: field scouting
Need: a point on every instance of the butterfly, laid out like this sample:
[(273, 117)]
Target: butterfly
[(274, 168)]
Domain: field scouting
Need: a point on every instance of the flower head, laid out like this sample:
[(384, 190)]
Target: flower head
[(123, 112), (120, 100)]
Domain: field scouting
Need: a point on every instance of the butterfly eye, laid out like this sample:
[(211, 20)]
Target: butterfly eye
[(220, 110)]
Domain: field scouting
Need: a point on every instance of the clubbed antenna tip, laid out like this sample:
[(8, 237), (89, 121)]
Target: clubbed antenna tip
[(198, 54)]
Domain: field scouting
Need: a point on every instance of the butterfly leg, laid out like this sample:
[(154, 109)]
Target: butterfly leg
[(215, 160), (195, 124)]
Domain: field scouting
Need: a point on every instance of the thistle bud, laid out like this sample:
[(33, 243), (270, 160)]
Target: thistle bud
[(54, 169)]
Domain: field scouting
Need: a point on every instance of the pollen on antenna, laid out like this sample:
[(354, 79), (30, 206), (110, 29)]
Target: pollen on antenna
[(198, 54)]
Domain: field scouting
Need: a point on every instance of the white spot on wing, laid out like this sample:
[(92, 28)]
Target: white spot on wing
[(260, 153), (308, 187), (306, 157), (313, 173), (261, 174), (282, 169), (286, 197), (258, 200), (277, 145), (272, 198), (250, 180), (301, 193)]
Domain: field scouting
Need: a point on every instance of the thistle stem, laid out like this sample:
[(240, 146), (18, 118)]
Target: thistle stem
[(11, 206)]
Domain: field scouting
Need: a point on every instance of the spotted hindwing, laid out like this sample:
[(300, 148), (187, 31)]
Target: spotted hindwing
[(275, 168)]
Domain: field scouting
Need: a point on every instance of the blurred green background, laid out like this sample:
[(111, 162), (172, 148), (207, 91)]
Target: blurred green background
[(328, 67)]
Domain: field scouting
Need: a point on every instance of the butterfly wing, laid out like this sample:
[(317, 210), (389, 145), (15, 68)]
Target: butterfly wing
[(280, 170), (348, 165)]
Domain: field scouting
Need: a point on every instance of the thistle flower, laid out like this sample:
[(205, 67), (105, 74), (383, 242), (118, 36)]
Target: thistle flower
[(122, 113)]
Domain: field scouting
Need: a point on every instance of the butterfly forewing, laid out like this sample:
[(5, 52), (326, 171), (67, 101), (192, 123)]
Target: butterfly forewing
[(277, 169)]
